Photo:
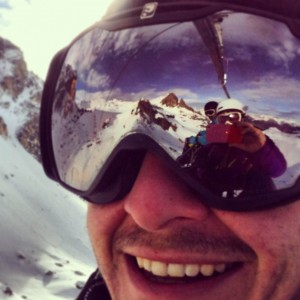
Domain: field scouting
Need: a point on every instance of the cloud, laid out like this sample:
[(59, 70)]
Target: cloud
[(273, 37), (274, 94), (96, 80), (274, 86), (4, 4), (42, 27)]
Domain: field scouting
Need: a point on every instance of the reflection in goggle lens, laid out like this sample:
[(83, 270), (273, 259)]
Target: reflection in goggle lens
[(231, 117), (155, 80), (210, 112)]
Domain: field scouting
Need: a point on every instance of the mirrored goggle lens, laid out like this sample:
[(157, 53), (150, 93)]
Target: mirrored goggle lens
[(230, 117), (210, 112), (155, 80)]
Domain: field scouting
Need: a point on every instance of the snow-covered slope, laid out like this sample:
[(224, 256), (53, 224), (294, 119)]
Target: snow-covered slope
[(166, 119), (44, 248)]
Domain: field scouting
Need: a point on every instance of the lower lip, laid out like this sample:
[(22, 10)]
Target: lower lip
[(151, 289)]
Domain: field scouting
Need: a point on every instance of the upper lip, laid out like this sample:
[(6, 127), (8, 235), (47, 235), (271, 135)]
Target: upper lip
[(168, 258), (178, 257)]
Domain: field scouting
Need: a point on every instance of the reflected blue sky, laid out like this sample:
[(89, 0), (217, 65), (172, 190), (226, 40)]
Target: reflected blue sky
[(261, 58)]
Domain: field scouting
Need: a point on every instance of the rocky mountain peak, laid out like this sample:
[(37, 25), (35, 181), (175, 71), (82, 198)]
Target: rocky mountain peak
[(14, 70), (152, 115), (20, 95), (172, 101)]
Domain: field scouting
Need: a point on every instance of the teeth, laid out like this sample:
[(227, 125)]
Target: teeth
[(161, 269), (176, 270), (207, 270)]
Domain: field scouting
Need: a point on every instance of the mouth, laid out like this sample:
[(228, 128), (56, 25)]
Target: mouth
[(161, 272), (185, 278)]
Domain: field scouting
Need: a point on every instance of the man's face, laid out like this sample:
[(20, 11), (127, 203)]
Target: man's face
[(189, 251)]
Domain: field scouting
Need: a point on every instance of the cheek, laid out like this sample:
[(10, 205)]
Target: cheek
[(270, 233), (102, 222)]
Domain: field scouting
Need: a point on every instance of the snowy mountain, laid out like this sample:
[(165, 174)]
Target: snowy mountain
[(44, 249), (166, 118), (20, 93)]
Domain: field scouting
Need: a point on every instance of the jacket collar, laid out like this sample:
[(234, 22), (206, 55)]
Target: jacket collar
[(94, 289)]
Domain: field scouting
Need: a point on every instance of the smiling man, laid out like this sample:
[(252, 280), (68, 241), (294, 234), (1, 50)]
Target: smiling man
[(160, 229)]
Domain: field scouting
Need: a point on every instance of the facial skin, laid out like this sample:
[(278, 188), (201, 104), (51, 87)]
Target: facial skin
[(161, 220)]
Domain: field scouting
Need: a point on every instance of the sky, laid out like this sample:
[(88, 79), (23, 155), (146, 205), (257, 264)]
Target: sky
[(42, 27)]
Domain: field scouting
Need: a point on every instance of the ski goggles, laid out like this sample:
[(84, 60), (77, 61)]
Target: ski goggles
[(113, 95), (229, 117), (210, 112)]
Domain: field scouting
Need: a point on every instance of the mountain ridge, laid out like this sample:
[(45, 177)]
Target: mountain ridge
[(20, 98)]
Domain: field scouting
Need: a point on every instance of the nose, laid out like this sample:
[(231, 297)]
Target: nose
[(159, 197)]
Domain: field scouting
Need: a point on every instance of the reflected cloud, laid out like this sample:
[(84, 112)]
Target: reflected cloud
[(267, 87), (281, 92), (285, 51), (96, 80)]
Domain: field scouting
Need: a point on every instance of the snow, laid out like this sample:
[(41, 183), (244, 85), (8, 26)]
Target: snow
[(85, 143), (44, 249), (6, 68), (9, 57), (80, 155)]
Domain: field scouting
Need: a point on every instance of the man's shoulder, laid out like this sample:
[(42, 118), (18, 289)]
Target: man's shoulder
[(94, 289)]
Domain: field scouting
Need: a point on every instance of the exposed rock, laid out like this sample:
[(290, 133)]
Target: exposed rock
[(271, 123), (28, 136), (3, 128), (20, 97), (14, 67), (8, 291), (149, 113), (184, 105), (172, 101)]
